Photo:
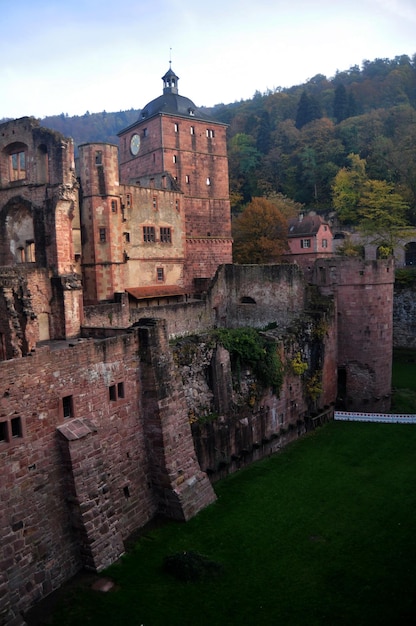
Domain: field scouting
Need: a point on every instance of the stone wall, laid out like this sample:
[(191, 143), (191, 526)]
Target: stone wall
[(404, 317), (86, 458)]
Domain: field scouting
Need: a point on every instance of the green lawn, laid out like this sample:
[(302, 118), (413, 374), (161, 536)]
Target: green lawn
[(323, 533)]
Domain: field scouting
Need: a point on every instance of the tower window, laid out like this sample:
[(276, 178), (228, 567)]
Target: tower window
[(112, 393), (98, 157), (192, 130), (177, 205), (160, 274), (149, 234), (128, 200), (176, 128), (114, 206), (67, 407), (145, 132), (103, 235), (165, 235), (175, 158), (208, 180), (187, 179), (210, 133), (154, 202), (126, 237)]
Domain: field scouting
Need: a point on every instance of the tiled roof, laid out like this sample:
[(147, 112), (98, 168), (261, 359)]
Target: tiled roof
[(309, 225)]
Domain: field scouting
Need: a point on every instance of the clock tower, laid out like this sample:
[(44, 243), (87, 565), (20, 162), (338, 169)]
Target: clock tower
[(176, 140)]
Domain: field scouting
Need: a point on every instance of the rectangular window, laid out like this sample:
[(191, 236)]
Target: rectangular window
[(177, 205), (324, 243), (210, 133), (128, 200), (160, 274), (98, 157), (103, 235), (11, 429), (112, 392), (305, 243), (192, 130), (114, 206), (176, 128), (18, 166), (165, 235), (149, 234), (67, 407), (120, 390), (174, 158), (154, 202), (187, 179), (208, 181), (126, 237), (16, 427), (145, 132)]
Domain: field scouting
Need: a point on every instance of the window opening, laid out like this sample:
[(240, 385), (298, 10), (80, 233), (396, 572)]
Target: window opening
[(128, 200), (16, 427), (3, 432), (187, 179), (165, 235), (149, 233), (67, 406), (18, 166), (160, 274), (98, 157), (305, 243), (103, 235), (114, 206), (112, 393), (192, 130), (210, 133), (120, 390), (154, 202)]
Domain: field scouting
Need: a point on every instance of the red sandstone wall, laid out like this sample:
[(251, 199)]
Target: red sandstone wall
[(364, 295), (39, 542)]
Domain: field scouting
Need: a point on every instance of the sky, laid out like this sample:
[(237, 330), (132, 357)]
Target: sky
[(59, 56)]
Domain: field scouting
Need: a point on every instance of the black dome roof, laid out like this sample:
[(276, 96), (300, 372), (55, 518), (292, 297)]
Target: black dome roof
[(171, 103)]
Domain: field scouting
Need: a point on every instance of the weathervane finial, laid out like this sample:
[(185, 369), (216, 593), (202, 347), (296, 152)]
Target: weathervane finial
[(170, 58)]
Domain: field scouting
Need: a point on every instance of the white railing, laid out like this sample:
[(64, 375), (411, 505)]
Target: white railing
[(353, 416)]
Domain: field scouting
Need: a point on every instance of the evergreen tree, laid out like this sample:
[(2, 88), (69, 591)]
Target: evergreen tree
[(308, 110), (340, 103)]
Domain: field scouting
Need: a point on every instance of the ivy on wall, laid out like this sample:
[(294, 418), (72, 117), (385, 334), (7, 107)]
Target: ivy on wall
[(250, 347)]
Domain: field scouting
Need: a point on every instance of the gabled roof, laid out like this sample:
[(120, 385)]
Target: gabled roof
[(305, 226)]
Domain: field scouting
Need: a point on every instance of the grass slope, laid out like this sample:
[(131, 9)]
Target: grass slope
[(323, 533)]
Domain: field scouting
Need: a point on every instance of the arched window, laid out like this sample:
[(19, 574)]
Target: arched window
[(410, 253)]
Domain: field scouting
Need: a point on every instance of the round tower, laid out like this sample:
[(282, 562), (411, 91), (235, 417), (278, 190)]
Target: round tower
[(363, 292)]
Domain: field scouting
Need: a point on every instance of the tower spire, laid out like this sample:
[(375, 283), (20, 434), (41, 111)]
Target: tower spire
[(170, 80)]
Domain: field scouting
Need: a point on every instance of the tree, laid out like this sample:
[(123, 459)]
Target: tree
[(260, 232), (308, 110), (340, 103), (347, 189), (381, 213), (373, 206)]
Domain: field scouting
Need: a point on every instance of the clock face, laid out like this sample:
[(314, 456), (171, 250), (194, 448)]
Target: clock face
[(135, 144)]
